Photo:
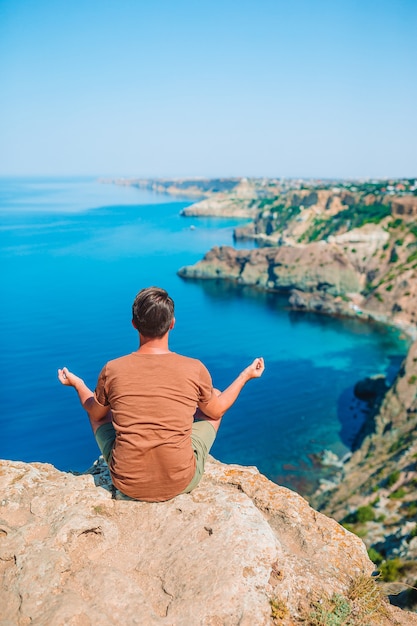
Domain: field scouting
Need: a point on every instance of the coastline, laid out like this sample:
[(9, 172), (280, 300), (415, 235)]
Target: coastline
[(368, 272), (253, 268), (379, 476), (366, 315)]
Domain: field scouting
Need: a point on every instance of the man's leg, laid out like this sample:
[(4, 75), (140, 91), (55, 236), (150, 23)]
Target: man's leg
[(202, 438), (95, 424), (203, 434), (104, 434)]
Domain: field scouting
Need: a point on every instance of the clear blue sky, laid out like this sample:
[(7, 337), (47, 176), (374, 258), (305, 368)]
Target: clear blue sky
[(309, 88)]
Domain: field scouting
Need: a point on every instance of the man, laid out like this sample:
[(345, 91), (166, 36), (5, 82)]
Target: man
[(155, 413)]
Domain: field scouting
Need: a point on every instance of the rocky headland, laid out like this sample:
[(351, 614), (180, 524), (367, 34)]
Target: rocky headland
[(333, 250), (349, 250), (238, 550), (186, 187), (239, 202)]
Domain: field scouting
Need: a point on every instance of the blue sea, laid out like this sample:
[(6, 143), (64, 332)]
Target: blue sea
[(74, 253)]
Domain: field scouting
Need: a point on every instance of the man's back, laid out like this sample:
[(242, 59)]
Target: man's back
[(153, 398), (145, 403)]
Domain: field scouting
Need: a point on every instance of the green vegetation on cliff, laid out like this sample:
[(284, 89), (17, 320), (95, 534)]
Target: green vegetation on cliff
[(349, 249), (354, 216)]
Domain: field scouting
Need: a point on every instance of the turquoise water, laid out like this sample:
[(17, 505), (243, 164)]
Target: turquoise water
[(75, 252)]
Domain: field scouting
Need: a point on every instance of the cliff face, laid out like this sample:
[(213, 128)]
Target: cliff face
[(187, 187), (405, 206), (308, 268), (381, 475), (241, 202), (369, 269), (237, 550), (354, 254)]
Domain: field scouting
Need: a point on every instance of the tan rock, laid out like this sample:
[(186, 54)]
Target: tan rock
[(316, 266), (404, 206), (384, 463), (221, 205), (369, 233), (70, 553)]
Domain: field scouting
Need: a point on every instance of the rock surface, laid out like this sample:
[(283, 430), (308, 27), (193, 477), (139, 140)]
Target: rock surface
[(72, 552), (350, 254), (238, 203), (367, 235), (382, 474), (326, 276), (309, 268), (186, 187)]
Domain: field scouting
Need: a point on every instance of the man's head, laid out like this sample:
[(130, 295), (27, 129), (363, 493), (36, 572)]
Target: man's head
[(153, 312)]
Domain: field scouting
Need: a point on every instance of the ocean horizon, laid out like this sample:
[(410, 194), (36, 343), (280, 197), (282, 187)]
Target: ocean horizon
[(75, 252)]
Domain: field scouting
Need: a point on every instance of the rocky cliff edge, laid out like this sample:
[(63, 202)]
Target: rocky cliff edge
[(237, 550)]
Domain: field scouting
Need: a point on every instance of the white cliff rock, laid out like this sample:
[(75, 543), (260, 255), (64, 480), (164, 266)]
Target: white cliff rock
[(370, 234)]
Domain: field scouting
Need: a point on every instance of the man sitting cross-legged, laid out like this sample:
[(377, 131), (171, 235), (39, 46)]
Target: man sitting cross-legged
[(155, 413)]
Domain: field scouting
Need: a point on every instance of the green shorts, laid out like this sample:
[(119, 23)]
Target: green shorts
[(203, 435)]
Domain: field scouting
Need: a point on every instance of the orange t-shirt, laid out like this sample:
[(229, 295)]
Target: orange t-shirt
[(153, 398)]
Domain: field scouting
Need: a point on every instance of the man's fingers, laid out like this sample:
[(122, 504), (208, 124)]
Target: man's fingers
[(63, 375), (256, 368), (259, 366)]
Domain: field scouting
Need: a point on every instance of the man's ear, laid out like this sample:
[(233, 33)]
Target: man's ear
[(134, 325), (172, 324)]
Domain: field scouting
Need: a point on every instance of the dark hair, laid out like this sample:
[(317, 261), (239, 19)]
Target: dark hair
[(152, 312)]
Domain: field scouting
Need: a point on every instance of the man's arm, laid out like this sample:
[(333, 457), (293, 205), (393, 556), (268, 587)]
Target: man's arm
[(95, 410), (217, 406)]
